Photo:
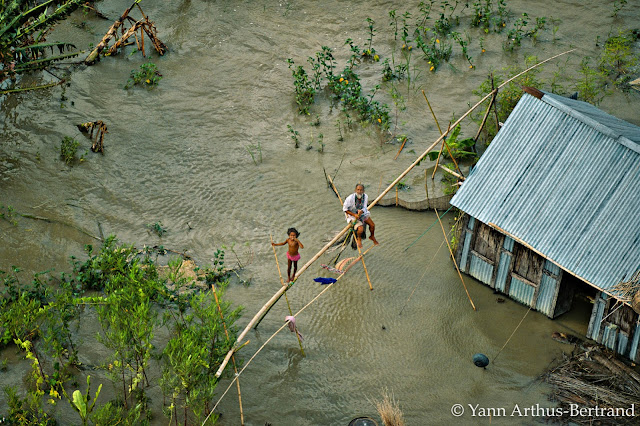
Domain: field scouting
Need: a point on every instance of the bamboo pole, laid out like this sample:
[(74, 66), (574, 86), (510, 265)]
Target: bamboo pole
[(281, 291), (495, 105), (426, 187), (439, 154), (285, 295), (235, 366), (486, 114), (401, 146), (454, 260), (446, 169), (365, 267), (432, 113), (334, 188)]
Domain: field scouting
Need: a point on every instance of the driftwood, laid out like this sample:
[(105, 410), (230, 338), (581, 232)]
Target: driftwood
[(98, 141), (592, 377), (143, 24)]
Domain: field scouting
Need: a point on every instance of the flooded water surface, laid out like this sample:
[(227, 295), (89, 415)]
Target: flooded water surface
[(209, 156)]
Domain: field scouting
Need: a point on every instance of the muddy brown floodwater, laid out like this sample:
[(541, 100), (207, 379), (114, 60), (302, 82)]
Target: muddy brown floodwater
[(179, 155)]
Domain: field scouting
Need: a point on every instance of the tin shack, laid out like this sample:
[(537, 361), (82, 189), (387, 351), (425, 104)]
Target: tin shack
[(554, 204)]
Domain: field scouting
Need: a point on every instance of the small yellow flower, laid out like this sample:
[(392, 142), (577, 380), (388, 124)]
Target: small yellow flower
[(341, 79), (379, 120), (346, 82), (504, 25), (431, 69), (470, 67), (437, 40), (404, 46), (148, 81), (410, 47), (483, 50), (376, 57)]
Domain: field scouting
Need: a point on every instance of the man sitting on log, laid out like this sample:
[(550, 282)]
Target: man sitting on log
[(355, 210)]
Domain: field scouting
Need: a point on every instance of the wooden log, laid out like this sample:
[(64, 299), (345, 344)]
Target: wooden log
[(258, 317), (94, 55)]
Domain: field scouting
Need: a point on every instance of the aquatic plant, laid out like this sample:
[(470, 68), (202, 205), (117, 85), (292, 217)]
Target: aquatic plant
[(338, 126), (295, 136), (69, 150), (617, 60), (158, 228), (463, 45), (370, 52), (591, 83), (304, 88), (617, 7), (321, 143), (9, 214), (148, 76), (258, 152)]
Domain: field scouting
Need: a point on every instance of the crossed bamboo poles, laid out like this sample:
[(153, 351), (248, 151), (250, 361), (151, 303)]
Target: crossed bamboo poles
[(263, 311)]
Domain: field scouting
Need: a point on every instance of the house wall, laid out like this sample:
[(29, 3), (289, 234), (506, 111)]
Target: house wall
[(511, 268), (614, 326)]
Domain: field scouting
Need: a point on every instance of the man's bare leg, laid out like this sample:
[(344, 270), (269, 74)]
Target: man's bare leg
[(358, 236), (372, 229)]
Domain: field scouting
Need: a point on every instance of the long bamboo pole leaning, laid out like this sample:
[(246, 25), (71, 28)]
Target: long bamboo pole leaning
[(440, 130), (281, 291), (285, 295), (454, 260), (233, 360), (486, 115)]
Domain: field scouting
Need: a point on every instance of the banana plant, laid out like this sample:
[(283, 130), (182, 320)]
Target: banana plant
[(24, 25)]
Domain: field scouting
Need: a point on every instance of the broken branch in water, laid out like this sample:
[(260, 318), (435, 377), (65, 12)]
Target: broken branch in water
[(88, 128), (142, 24)]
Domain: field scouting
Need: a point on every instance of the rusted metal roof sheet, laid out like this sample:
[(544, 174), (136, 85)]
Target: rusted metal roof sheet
[(563, 178)]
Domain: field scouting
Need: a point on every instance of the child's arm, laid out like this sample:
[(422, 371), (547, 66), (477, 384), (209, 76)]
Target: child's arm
[(299, 243), (278, 244)]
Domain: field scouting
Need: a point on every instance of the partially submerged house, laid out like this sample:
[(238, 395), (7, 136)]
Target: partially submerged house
[(554, 203)]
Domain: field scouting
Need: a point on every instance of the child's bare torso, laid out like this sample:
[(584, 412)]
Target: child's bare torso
[(293, 246)]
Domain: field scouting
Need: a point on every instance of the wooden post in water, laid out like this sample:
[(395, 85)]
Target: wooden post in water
[(281, 291)]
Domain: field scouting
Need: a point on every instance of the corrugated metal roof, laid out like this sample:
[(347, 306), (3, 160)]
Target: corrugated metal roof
[(563, 178)]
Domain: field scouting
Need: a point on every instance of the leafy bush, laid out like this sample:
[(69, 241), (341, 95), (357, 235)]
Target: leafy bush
[(148, 76)]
